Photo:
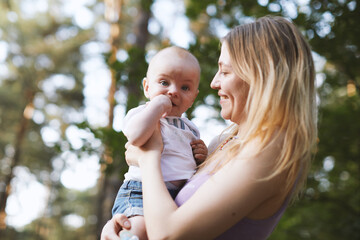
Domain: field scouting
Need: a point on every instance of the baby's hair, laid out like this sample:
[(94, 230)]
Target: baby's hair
[(181, 52)]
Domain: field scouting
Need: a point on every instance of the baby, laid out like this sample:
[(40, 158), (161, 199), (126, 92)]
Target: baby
[(171, 85)]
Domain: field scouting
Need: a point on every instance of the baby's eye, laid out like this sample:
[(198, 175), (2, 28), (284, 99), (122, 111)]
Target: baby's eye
[(185, 88), (164, 83)]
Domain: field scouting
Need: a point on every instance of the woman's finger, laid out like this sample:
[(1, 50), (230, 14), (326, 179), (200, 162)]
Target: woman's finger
[(120, 220), (113, 227), (110, 231)]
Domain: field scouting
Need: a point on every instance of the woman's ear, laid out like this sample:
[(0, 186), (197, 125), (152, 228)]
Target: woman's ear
[(145, 87)]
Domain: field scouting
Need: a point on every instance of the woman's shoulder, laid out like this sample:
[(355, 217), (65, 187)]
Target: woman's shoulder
[(215, 142), (260, 145), (259, 159)]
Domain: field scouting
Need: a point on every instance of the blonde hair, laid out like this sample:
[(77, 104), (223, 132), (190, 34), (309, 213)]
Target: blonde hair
[(272, 56)]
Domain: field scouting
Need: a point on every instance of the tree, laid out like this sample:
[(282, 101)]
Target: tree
[(41, 55), (126, 77)]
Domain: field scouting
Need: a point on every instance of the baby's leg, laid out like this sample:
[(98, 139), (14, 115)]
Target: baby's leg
[(138, 227)]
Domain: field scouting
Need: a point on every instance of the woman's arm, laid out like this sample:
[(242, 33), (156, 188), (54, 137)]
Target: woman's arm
[(231, 194)]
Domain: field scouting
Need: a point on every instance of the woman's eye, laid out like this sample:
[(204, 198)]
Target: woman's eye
[(221, 72)]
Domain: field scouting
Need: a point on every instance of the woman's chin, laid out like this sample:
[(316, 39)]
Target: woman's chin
[(224, 115)]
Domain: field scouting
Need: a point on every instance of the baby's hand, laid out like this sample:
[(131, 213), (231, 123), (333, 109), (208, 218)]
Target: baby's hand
[(164, 102), (200, 151)]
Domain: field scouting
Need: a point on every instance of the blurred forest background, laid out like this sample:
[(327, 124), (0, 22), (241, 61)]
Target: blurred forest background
[(69, 70)]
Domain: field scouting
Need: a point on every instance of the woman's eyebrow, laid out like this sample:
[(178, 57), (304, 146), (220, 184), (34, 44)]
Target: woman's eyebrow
[(222, 64)]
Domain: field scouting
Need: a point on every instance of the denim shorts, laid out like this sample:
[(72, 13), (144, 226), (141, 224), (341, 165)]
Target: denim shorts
[(129, 199)]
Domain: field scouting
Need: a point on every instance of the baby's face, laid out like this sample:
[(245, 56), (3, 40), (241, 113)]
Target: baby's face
[(175, 77)]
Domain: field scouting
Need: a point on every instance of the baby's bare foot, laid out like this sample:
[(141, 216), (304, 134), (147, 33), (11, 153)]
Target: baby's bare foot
[(127, 235)]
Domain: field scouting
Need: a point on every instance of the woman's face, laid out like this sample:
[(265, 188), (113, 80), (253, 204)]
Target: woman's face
[(233, 91)]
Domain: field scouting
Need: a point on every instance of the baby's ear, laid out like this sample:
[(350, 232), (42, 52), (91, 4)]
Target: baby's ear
[(145, 87)]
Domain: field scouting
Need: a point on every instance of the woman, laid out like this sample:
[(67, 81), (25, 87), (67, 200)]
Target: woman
[(266, 86)]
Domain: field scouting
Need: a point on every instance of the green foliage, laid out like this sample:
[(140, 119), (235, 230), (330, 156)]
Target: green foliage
[(207, 55), (194, 8), (115, 143), (133, 73), (334, 33)]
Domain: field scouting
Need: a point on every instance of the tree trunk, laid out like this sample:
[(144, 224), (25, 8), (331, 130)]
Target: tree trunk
[(141, 38), (113, 16), (108, 184), (20, 135)]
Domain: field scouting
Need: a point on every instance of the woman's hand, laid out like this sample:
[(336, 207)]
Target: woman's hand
[(113, 227), (134, 154)]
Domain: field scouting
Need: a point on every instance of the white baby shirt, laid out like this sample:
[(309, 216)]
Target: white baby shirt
[(177, 161)]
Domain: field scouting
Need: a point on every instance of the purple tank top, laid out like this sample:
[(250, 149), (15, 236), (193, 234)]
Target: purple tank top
[(245, 229)]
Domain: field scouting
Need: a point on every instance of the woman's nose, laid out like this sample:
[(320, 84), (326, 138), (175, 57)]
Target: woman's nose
[(215, 83)]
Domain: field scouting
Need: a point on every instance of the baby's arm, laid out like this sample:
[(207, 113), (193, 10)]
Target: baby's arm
[(200, 150), (141, 125)]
